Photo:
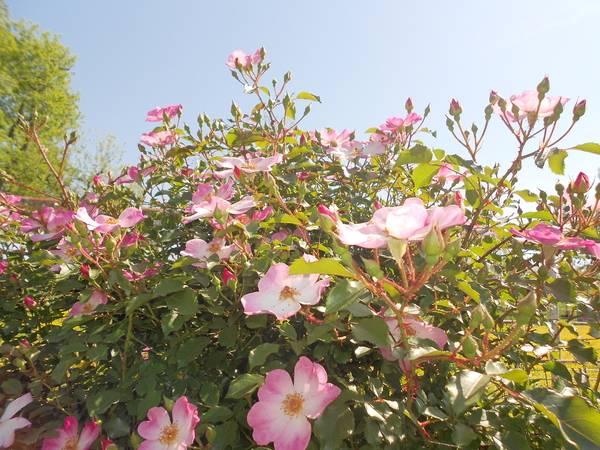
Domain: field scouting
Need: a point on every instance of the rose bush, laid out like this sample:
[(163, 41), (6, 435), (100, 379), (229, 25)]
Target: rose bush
[(406, 288)]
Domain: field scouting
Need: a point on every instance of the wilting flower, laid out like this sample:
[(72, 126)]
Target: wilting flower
[(157, 114), (413, 326), (87, 308), (160, 138), (282, 294), (69, 439), (163, 434), (9, 424), (409, 222), (527, 104), (106, 224), (281, 414), (551, 236)]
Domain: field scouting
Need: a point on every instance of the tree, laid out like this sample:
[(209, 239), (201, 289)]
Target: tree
[(35, 87)]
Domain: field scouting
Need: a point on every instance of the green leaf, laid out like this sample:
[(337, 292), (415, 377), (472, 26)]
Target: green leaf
[(324, 266), (245, 384), (288, 218), (577, 420), (115, 276), (185, 302), (151, 400), (559, 369), (190, 348), (465, 389), (563, 290), (590, 147), (417, 154), (527, 195), (344, 294), (462, 435), (557, 162), (308, 96), (372, 329), (541, 215), (583, 353), (217, 414), (335, 424), (100, 401), (423, 174), (167, 286), (467, 289), (136, 301), (259, 355)]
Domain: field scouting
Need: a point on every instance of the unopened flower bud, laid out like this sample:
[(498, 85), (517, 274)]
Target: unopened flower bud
[(455, 109), (98, 181), (470, 347), (581, 184), (408, 105), (579, 110), (327, 218), (229, 277), (560, 189), (29, 303), (494, 97), (526, 309), (373, 269), (452, 250), (543, 87), (85, 270), (433, 243), (109, 445)]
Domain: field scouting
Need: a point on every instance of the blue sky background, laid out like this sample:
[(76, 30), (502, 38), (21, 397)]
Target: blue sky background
[(364, 58)]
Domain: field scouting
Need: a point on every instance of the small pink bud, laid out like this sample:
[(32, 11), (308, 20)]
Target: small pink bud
[(25, 344), (85, 270), (13, 278), (30, 303), (377, 205), (408, 105), (579, 110), (455, 108), (581, 184), (109, 445), (98, 181), (228, 275), (303, 175)]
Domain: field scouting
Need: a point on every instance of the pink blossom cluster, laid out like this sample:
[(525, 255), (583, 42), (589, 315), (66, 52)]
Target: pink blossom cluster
[(239, 59), (553, 237), (206, 200), (528, 104), (158, 114), (408, 222)]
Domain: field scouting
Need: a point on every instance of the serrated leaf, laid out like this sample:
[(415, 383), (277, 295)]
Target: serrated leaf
[(344, 294), (527, 195), (541, 215), (190, 349), (558, 368), (259, 355), (136, 301), (557, 162), (167, 286), (100, 401), (184, 301), (465, 389), (217, 414), (244, 384), (308, 96), (417, 154), (577, 420), (373, 330), (324, 266), (422, 174), (590, 147), (583, 353), (563, 290)]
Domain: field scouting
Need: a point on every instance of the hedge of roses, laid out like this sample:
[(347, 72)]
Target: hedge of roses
[(252, 284)]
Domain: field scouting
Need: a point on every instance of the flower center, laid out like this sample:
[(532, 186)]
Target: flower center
[(87, 308), (214, 247), (71, 444), (287, 293), (248, 165), (410, 331), (292, 404), (169, 434), (71, 252), (112, 220)]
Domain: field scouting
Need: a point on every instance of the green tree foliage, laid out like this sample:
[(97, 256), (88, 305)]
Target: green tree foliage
[(35, 85)]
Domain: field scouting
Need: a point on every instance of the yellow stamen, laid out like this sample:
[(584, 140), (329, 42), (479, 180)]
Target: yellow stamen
[(287, 293), (111, 221), (71, 444), (169, 434), (292, 404)]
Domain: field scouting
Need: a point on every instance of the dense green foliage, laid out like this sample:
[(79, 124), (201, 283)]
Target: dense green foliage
[(172, 327)]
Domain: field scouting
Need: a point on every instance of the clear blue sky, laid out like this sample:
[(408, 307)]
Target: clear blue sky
[(364, 58)]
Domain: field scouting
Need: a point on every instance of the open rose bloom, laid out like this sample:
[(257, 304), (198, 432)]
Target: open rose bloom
[(163, 434), (284, 407), (528, 103), (282, 294), (9, 424), (69, 438)]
